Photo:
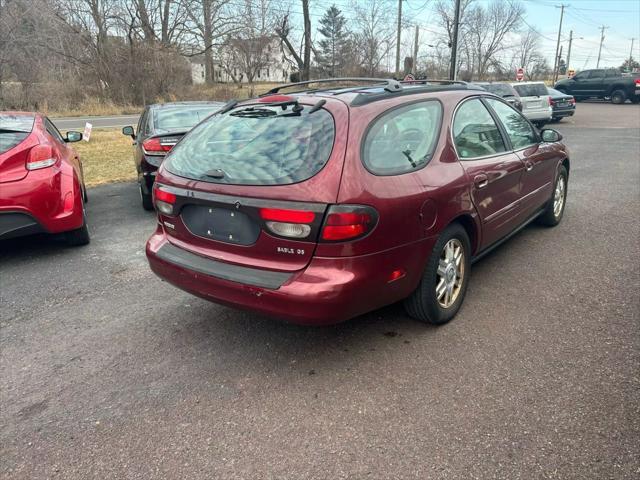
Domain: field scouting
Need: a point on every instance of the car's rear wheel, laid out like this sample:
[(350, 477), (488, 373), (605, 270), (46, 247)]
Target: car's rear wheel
[(80, 236), (146, 198), (555, 207), (442, 288), (618, 97)]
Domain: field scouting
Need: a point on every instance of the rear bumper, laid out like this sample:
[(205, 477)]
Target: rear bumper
[(564, 112), (327, 291), (15, 224), (47, 200), (538, 115)]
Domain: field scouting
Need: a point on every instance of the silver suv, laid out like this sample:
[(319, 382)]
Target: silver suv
[(536, 102)]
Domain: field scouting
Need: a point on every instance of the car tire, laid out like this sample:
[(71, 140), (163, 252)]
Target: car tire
[(85, 197), (554, 210), (79, 236), (146, 198), (425, 303), (618, 97)]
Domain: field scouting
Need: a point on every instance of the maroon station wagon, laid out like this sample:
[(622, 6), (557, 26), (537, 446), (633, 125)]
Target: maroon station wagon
[(323, 204)]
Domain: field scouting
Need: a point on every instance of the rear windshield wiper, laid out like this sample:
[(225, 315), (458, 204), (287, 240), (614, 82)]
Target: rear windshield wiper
[(11, 130), (215, 173), (251, 112)]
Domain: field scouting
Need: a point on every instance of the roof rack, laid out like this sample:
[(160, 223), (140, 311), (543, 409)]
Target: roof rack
[(427, 81), (390, 85)]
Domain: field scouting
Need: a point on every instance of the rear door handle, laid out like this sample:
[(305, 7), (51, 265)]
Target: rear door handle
[(481, 180)]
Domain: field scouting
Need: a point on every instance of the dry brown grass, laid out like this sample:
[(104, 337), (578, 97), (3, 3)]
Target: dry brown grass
[(107, 157), (92, 106)]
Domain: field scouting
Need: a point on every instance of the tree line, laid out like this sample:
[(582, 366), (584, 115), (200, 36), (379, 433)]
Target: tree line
[(135, 51)]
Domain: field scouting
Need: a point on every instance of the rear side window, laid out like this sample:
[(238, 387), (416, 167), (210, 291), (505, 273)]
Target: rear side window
[(474, 131), (531, 89), (256, 145), (14, 129), (403, 139)]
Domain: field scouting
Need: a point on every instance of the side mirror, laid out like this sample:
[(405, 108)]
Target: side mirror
[(549, 135), (73, 137), (129, 132)]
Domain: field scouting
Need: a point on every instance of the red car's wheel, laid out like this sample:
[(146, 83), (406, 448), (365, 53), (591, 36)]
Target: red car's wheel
[(79, 236), (446, 276)]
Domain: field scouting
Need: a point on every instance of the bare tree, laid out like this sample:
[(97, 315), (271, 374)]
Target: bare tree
[(374, 33), (301, 57)]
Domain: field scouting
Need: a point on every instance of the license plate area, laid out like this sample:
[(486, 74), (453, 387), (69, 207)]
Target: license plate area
[(221, 224)]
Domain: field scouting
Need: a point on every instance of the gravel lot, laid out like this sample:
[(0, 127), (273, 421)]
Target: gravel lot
[(109, 373)]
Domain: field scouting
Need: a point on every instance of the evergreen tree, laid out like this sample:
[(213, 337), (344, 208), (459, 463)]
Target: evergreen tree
[(335, 43)]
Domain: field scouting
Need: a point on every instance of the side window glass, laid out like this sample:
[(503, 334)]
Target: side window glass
[(474, 131), (53, 131), (142, 123), (403, 139), (596, 75), (520, 132)]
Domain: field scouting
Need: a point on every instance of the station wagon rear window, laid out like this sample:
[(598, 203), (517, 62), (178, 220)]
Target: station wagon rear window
[(256, 145), (14, 129), (181, 117)]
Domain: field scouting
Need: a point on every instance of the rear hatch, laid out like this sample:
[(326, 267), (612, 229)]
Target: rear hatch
[(15, 144), (251, 186), (534, 96)]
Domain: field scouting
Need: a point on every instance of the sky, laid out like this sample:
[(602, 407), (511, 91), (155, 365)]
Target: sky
[(584, 17)]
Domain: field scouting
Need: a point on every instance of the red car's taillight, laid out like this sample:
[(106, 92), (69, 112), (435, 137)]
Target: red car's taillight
[(163, 200), (288, 223), (41, 156), (348, 222), (154, 146)]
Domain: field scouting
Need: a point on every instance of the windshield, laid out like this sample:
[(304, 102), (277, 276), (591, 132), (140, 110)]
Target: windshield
[(531, 89), (256, 145), (181, 117), (14, 129), (499, 89)]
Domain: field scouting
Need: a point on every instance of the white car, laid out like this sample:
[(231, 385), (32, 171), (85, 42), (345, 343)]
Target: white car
[(536, 102)]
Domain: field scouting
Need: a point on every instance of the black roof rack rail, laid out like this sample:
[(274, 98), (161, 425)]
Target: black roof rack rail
[(436, 81), (390, 85)]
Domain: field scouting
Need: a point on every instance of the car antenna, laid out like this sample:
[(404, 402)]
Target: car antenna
[(228, 106), (317, 106)]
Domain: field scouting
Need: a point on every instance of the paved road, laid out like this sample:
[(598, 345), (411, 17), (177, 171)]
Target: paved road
[(78, 123), (109, 373)]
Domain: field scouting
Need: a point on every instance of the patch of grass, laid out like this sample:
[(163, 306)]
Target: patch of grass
[(107, 157)]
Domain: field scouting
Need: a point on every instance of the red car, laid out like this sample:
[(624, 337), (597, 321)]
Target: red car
[(320, 205), (41, 182)]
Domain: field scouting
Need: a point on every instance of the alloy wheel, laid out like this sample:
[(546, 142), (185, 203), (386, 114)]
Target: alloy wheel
[(558, 197), (450, 273)]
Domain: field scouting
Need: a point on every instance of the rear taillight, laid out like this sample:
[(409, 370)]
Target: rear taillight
[(551, 102), (348, 222), (41, 156), (638, 82), (163, 200), (157, 146), (288, 223), (572, 101)]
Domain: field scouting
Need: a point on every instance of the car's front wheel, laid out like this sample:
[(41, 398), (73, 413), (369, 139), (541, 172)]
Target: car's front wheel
[(442, 288)]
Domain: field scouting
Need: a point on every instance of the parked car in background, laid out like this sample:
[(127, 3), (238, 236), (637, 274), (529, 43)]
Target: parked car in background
[(321, 205), (563, 105), (160, 127), (41, 182), (503, 90), (601, 83), (536, 103)]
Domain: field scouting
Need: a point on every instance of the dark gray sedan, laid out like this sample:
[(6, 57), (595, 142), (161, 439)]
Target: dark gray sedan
[(563, 105)]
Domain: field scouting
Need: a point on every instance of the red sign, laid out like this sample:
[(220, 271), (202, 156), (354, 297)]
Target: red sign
[(409, 77), (520, 74)]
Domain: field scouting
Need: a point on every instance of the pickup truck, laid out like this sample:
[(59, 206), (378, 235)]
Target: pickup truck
[(605, 84)]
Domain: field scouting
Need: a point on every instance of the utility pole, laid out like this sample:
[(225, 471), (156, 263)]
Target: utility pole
[(414, 69), (601, 42), (454, 43), (557, 72), (398, 39), (569, 51), (555, 66), (630, 55)]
